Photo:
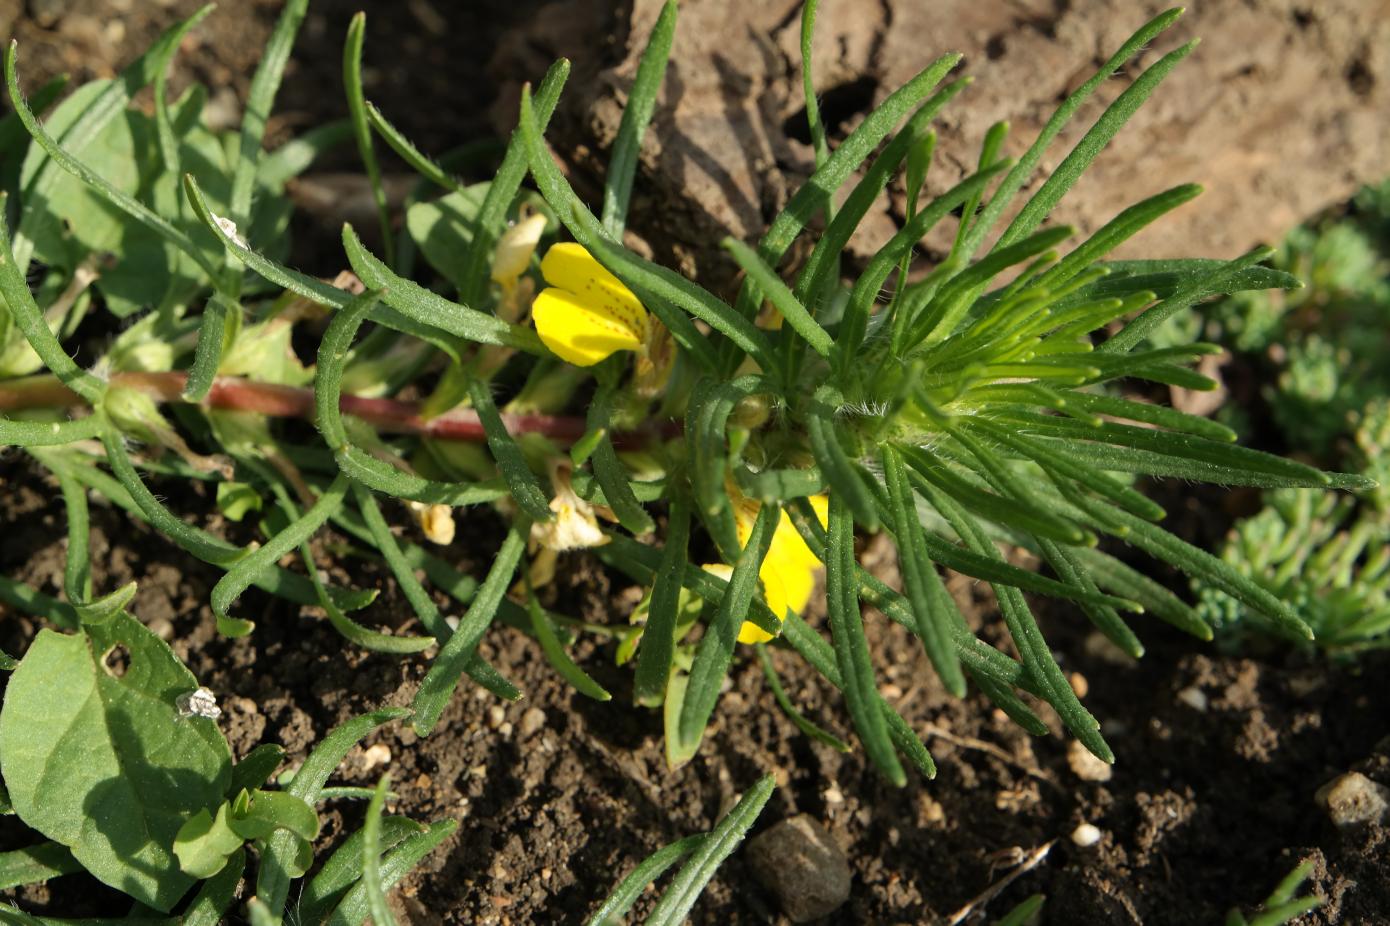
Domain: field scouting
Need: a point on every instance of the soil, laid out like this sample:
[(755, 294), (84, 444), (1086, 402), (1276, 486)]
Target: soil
[(559, 796), (730, 142)]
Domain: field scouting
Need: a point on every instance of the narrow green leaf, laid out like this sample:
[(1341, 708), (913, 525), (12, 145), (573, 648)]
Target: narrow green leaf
[(705, 859), (1096, 138), (108, 104), (782, 297), (28, 317), (656, 652), (1111, 574), (716, 649), (1032, 648), (641, 101), (397, 142), (618, 903), (492, 215), (844, 478), (919, 575), (199, 542), (1107, 620), (1216, 279), (371, 855), (277, 854), (48, 433), (260, 100), (443, 676), (846, 158), (560, 660), (1021, 172), (851, 646), (344, 867), (1214, 571), (353, 909), (431, 309), (1119, 229), (802, 723), (241, 575), (214, 898), (77, 567), (525, 487), (609, 471), (314, 290), (207, 357), (361, 131)]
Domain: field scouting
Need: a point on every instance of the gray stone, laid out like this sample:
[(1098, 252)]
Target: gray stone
[(800, 862), (1353, 799)]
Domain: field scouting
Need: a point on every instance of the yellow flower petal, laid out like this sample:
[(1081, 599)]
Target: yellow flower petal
[(582, 332), (569, 266)]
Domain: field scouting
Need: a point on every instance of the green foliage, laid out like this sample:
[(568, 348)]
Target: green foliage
[(953, 408), (1324, 347), (1281, 905)]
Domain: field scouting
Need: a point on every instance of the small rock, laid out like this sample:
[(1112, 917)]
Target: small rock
[(1078, 683), (1098, 646), (833, 795), (1353, 799), (1086, 834), (376, 754), (1086, 766), (495, 716), (531, 722), (800, 862), (1194, 698)]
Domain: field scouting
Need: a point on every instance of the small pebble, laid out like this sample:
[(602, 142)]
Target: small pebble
[(800, 862), (1353, 799), (495, 716), (1085, 835), (833, 795), (531, 722), (1079, 685), (1194, 698), (1086, 766), (505, 731), (376, 754)]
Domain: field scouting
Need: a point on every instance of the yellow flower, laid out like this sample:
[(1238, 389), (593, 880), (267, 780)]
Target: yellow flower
[(788, 571), (587, 313)]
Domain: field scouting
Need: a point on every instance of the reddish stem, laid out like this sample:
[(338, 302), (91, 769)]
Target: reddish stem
[(238, 393)]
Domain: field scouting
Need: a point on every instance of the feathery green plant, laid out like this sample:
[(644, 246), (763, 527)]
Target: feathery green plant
[(953, 411)]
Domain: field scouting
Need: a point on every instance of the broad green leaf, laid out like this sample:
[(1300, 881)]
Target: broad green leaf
[(111, 769)]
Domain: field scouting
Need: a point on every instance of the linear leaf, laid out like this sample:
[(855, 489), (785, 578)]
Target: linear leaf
[(851, 646), (526, 489), (361, 131), (443, 676), (716, 649), (932, 622), (241, 575), (641, 101), (706, 858), (656, 652)]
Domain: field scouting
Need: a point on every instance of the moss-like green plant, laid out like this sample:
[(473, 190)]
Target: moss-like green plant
[(952, 410)]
